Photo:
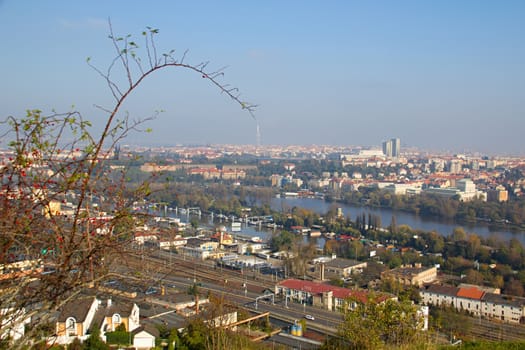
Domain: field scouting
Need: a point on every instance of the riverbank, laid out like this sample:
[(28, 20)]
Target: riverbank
[(442, 226)]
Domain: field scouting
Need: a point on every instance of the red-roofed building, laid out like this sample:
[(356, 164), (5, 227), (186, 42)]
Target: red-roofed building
[(469, 299), (470, 292), (322, 295), (479, 301)]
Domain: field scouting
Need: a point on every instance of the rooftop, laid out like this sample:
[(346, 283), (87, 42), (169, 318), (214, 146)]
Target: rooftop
[(338, 292)]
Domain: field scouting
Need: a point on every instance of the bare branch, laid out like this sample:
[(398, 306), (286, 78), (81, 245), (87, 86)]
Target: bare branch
[(59, 163)]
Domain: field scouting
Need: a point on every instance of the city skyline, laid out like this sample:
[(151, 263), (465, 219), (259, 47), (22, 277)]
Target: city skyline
[(439, 76)]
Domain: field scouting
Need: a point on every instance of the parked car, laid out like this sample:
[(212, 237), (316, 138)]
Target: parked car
[(151, 290)]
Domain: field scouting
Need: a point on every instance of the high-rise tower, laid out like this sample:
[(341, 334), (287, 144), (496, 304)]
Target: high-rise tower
[(392, 148)]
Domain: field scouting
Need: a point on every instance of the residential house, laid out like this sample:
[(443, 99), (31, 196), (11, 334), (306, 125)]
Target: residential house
[(78, 317), (75, 320)]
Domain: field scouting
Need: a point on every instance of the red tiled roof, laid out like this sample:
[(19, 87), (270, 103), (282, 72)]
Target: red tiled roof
[(338, 292), (470, 292)]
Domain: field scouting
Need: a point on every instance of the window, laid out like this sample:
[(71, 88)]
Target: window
[(116, 320), (71, 326)]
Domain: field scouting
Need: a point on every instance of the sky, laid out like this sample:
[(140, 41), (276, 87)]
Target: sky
[(439, 75)]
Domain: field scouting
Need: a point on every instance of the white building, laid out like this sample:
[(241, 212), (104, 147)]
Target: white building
[(465, 189), (199, 249), (476, 301)]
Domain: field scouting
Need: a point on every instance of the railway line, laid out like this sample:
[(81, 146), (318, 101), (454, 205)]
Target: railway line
[(233, 281), (160, 264), (495, 331)]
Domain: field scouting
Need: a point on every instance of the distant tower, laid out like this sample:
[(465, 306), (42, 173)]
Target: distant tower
[(387, 148), (116, 153), (396, 147), (392, 148), (258, 139)]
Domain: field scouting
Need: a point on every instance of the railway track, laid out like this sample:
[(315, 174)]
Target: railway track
[(202, 271), (205, 271), (495, 331)]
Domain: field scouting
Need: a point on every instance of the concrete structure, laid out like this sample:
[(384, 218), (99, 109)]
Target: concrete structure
[(465, 189), (411, 275), (392, 148), (499, 194), (455, 166), (476, 301), (363, 154), (403, 188)]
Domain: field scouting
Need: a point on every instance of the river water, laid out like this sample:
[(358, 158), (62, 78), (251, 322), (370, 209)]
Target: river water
[(439, 225), (442, 226)]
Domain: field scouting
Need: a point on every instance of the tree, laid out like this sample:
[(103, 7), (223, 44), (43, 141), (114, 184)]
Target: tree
[(474, 277), (473, 245), (94, 342), (194, 291), (58, 165), (449, 321), (459, 234), (514, 287), (282, 240), (373, 324)]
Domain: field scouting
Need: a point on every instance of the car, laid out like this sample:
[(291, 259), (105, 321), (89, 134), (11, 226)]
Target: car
[(151, 290), (309, 317)]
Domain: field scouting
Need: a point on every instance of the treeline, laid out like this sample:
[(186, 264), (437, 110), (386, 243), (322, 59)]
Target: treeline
[(512, 212), (217, 197)]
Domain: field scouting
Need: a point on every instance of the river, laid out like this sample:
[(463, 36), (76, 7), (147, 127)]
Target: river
[(443, 227)]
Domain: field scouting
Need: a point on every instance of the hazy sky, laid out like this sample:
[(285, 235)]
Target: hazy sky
[(440, 75)]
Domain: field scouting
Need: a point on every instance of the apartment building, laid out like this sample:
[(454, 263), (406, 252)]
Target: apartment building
[(415, 275), (476, 301)]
